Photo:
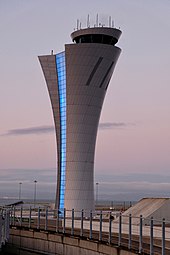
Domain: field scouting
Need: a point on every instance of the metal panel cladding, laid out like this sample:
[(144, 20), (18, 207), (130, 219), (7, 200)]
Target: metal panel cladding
[(77, 81)]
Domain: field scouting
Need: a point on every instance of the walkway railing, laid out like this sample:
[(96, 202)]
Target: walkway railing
[(4, 226), (140, 234)]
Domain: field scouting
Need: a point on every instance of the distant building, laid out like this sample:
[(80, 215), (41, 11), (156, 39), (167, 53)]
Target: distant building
[(77, 81)]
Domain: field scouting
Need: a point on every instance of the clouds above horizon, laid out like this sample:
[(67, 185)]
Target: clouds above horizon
[(50, 129), (30, 131), (111, 187)]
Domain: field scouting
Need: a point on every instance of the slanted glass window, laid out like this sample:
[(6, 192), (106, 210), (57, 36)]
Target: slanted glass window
[(61, 72)]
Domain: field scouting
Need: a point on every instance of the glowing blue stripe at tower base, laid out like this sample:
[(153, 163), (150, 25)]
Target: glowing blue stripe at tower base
[(61, 72)]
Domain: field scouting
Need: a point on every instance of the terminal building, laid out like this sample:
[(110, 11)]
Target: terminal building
[(77, 81)]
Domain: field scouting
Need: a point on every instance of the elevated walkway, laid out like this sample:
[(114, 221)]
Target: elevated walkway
[(41, 230)]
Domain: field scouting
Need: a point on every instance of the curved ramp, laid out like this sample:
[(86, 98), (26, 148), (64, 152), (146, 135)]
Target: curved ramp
[(158, 208)]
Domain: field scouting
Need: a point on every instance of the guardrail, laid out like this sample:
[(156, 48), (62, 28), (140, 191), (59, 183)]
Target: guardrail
[(4, 226), (140, 234)]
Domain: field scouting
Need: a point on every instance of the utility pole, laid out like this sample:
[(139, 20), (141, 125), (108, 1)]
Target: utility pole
[(97, 192), (35, 192), (20, 190)]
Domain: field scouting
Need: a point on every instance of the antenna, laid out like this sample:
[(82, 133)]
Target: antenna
[(77, 24), (80, 25), (88, 21), (97, 20), (110, 21)]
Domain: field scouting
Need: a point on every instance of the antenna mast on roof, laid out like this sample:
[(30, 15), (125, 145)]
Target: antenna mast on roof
[(97, 20), (110, 21), (88, 21), (77, 24)]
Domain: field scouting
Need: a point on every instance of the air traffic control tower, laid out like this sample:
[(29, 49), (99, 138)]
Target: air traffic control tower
[(77, 81)]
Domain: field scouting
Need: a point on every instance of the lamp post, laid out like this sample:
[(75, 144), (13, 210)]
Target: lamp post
[(35, 192), (97, 191), (20, 190)]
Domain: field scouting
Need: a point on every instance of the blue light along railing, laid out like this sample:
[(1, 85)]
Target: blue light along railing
[(61, 72)]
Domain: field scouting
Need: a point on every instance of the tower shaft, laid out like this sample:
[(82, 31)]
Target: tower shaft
[(77, 81)]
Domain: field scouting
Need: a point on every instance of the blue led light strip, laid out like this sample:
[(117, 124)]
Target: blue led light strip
[(61, 72)]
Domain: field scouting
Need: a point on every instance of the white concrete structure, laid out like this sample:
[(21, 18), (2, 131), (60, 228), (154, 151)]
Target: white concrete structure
[(77, 80), (158, 208)]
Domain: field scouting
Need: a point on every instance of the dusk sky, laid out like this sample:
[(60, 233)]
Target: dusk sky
[(133, 143)]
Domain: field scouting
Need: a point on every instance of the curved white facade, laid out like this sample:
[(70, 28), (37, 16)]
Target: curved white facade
[(77, 80)]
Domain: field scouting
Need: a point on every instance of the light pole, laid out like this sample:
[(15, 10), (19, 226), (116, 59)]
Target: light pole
[(20, 190), (35, 192), (97, 191)]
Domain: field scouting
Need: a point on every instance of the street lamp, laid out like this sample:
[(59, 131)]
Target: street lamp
[(20, 190), (97, 191), (35, 192)]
